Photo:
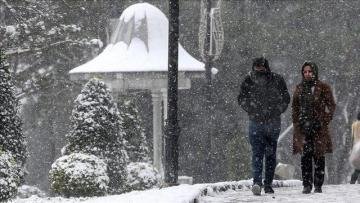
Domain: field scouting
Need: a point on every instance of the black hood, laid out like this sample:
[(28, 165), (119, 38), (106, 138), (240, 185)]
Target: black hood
[(313, 67), (261, 61)]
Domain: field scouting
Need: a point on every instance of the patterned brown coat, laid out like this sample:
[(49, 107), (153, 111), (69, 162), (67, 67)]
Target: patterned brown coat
[(324, 108)]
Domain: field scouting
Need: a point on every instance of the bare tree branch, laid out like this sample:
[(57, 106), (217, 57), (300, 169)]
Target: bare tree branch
[(66, 3), (12, 11), (21, 51)]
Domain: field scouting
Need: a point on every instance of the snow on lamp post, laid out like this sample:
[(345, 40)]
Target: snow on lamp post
[(137, 59)]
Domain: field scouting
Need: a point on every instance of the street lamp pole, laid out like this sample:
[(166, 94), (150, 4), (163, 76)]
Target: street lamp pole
[(211, 41), (208, 59), (208, 92), (172, 126)]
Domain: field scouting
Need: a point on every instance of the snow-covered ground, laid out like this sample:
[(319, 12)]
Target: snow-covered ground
[(331, 193), (182, 193), (285, 191), (177, 194)]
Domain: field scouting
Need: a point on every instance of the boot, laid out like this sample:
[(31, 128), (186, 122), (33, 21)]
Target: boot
[(317, 190), (307, 190), (256, 189), (268, 189)]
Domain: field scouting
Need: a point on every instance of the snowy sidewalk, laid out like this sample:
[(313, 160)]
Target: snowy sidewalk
[(176, 194), (331, 193), (231, 192)]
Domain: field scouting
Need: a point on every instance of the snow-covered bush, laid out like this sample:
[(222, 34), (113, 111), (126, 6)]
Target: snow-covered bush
[(96, 130), (136, 145), (142, 176), (10, 175), (26, 191), (79, 175)]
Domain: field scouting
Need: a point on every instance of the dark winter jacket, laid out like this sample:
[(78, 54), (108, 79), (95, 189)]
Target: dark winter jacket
[(323, 107), (264, 96)]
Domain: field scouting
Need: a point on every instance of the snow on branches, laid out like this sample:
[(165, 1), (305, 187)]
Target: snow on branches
[(96, 130), (12, 140)]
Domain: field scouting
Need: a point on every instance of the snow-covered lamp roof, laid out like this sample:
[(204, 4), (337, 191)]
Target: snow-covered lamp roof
[(139, 44)]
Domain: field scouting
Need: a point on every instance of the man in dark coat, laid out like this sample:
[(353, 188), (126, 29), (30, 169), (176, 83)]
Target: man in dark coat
[(264, 96), (312, 110)]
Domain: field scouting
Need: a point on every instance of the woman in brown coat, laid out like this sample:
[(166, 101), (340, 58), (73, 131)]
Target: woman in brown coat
[(312, 110)]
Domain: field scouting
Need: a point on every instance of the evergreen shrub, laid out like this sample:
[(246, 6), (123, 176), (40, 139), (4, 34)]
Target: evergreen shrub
[(142, 176), (10, 176), (96, 130), (79, 175)]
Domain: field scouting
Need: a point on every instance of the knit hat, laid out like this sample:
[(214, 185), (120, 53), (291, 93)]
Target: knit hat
[(261, 61)]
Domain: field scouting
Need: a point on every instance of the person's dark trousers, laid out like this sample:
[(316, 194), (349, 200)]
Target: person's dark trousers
[(355, 176), (307, 166), (263, 138)]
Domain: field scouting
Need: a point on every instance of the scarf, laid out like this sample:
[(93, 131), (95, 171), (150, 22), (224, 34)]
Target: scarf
[(260, 78), (307, 102)]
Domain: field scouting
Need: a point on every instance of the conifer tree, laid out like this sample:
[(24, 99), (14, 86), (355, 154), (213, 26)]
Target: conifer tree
[(136, 146), (11, 136), (12, 140), (96, 130)]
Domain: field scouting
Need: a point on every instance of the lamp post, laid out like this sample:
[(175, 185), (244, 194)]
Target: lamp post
[(172, 127), (208, 92), (211, 40)]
